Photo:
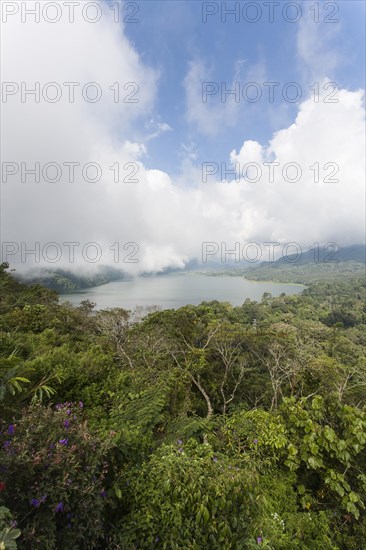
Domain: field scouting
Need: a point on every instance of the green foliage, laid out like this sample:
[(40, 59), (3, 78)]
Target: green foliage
[(14, 382), (136, 418), (258, 433), (207, 427), (327, 446), (8, 532), (186, 497), (301, 531), (15, 294), (34, 318), (11, 380)]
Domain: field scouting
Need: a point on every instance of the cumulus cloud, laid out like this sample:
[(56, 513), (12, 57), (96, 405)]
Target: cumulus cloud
[(325, 149), (156, 220)]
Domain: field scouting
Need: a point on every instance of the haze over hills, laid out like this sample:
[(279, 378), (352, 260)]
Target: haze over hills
[(312, 264)]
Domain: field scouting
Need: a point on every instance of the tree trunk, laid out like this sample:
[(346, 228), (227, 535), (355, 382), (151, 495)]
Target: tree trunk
[(197, 382)]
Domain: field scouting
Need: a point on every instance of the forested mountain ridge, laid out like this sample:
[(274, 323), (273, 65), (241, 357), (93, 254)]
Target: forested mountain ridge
[(304, 273), (318, 263), (327, 254), (207, 427)]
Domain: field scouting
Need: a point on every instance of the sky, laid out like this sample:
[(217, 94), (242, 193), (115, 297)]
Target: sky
[(162, 132)]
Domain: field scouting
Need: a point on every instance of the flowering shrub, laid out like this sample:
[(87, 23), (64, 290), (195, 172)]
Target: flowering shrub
[(53, 477)]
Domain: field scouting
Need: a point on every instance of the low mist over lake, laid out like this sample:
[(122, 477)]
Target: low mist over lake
[(177, 290)]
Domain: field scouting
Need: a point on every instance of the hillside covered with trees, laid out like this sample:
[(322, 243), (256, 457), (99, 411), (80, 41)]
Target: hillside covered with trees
[(206, 427)]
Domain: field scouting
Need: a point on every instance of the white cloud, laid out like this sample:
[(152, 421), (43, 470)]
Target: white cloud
[(308, 211), (168, 219), (156, 127)]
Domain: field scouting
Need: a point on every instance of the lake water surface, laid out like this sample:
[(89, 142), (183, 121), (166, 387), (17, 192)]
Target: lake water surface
[(176, 290)]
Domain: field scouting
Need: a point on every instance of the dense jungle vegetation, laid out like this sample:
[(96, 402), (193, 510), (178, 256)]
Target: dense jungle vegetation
[(208, 427)]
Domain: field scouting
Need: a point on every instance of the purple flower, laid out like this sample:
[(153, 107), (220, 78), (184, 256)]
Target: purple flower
[(11, 429), (259, 540), (6, 444), (215, 459), (180, 442), (59, 507), (66, 423), (157, 539), (81, 404), (37, 502), (103, 493), (68, 412), (255, 441), (63, 441)]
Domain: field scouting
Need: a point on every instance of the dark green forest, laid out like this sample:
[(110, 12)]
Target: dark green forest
[(206, 427)]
